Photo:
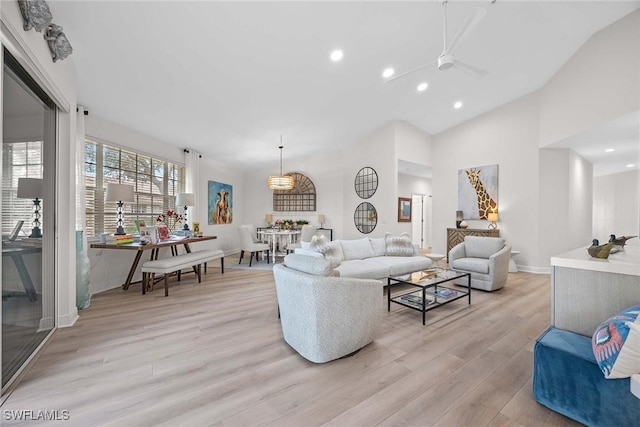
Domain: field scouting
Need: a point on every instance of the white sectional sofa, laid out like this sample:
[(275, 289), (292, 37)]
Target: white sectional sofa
[(369, 258)]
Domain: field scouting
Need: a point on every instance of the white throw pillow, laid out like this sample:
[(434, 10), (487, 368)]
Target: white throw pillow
[(356, 249), (329, 249), (399, 245)]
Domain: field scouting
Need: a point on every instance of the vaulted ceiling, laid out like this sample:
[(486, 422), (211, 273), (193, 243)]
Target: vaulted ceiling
[(228, 78)]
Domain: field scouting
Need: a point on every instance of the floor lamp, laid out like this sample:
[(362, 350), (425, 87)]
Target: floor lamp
[(120, 193), (31, 188), (185, 199)]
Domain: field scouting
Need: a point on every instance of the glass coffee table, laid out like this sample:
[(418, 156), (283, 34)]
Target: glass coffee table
[(431, 293)]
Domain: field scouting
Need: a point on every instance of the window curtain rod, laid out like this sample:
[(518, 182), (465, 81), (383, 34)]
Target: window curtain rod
[(186, 150)]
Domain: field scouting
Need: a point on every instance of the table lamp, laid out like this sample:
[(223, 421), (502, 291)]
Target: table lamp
[(185, 199), (493, 218), (120, 193), (321, 219), (31, 188), (269, 219)]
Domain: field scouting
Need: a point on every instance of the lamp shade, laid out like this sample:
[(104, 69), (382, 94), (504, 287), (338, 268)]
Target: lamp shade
[(459, 216), (29, 188), (321, 218), (185, 199), (268, 218), (120, 193), (492, 216), (280, 182)]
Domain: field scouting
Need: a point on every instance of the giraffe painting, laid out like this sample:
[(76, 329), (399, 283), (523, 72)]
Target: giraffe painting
[(478, 191)]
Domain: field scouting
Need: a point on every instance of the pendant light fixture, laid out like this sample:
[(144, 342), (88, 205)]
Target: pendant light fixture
[(280, 182)]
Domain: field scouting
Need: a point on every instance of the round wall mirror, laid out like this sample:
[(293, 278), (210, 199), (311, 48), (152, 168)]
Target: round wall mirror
[(365, 217), (366, 182)]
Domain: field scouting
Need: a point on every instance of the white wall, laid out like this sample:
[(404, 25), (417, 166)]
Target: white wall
[(59, 81), (598, 84), (508, 137), (616, 206)]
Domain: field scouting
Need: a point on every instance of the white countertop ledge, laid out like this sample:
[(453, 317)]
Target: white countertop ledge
[(626, 261)]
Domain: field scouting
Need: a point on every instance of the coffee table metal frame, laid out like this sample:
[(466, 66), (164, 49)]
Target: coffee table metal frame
[(425, 283)]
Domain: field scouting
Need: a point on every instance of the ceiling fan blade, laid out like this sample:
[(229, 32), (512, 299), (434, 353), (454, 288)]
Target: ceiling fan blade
[(463, 65), (472, 21), (412, 71)]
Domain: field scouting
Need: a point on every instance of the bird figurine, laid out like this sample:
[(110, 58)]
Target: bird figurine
[(597, 250), (620, 241)]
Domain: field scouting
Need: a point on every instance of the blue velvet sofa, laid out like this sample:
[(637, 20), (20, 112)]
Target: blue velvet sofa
[(567, 379)]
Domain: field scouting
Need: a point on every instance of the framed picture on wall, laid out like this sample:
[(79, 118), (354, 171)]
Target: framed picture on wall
[(404, 209)]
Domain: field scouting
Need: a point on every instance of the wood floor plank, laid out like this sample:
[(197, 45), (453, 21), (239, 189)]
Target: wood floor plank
[(213, 354)]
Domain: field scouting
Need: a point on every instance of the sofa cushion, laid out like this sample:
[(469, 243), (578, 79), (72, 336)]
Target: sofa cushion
[(616, 344), (363, 269), (475, 265), (356, 249), (482, 247), (332, 251), (309, 265), (403, 265), (379, 246), (398, 245)]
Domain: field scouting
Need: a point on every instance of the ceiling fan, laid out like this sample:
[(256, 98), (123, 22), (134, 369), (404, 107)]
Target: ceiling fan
[(446, 60)]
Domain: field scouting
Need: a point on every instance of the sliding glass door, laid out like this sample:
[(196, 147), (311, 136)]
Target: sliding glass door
[(28, 190)]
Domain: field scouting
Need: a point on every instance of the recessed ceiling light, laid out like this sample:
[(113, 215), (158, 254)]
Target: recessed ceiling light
[(610, 150), (422, 87), (336, 55), (457, 105), (388, 73), (631, 165)]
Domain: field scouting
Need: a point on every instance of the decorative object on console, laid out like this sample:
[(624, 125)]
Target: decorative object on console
[(463, 224), (280, 182), (58, 43), (459, 218), (321, 219), (493, 218), (185, 199), (220, 203), (195, 226), (404, 209), (269, 219), (31, 188), (36, 14), (616, 344), (366, 182), (120, 193), (620, 241), (478, 191), (597, 250)]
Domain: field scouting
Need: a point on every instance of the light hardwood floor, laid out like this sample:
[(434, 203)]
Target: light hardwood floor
[(213, 354)]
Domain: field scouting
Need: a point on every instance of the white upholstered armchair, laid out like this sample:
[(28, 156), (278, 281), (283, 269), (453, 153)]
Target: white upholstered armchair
[(486, 258), (325, 317)]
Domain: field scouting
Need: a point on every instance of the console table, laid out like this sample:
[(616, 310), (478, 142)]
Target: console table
[(457, 235)]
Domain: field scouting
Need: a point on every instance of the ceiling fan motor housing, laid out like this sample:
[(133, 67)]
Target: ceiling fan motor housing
[(445, 61)]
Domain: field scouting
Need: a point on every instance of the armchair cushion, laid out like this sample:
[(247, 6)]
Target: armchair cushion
[(476, 265), (482, 247)]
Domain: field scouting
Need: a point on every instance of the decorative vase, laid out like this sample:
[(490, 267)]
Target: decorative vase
[(463, 224), (83, 274)]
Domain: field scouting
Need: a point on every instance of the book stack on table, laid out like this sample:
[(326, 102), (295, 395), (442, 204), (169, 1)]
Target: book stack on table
[(120, 239)]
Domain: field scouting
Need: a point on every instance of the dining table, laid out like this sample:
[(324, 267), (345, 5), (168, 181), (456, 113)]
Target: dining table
[(278, 238), (172, 243)]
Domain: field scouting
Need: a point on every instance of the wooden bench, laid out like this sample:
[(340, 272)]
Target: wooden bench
[(176, 263)]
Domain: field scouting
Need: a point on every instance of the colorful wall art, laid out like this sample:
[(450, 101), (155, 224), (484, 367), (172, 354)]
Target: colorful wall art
[(220, 206)]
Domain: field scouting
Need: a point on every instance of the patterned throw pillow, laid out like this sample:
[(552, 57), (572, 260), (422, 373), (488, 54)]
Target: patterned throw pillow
[(327, 248), (399, 245), (616, 344)]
